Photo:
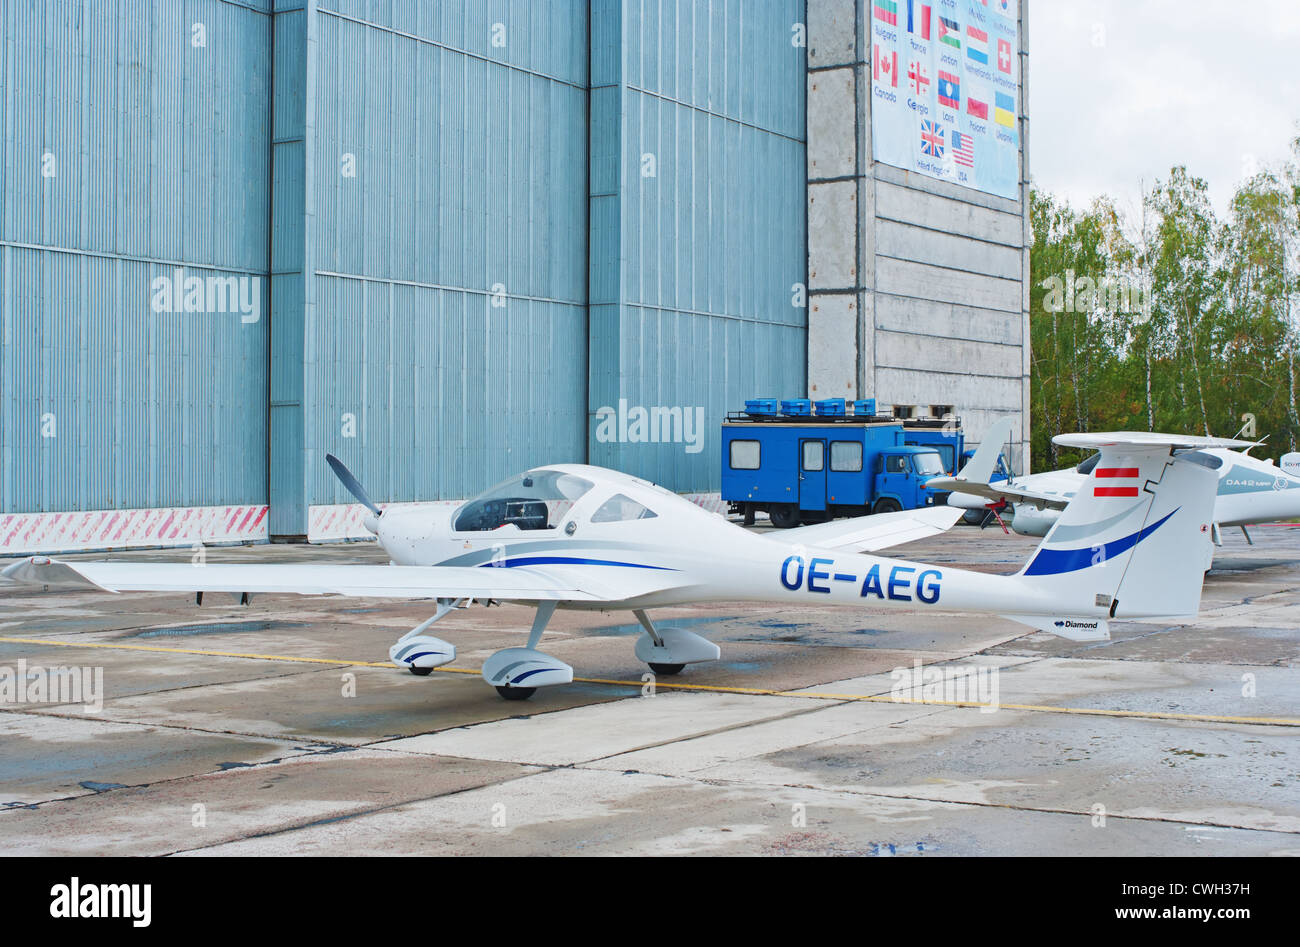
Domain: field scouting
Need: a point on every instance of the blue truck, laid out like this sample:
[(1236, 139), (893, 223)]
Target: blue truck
[(804, 464)]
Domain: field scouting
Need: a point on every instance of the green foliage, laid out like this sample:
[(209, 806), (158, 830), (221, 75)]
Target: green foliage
[(1177, 321)]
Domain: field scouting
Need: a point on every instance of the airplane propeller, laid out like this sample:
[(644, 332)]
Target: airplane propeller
[(352, 484)]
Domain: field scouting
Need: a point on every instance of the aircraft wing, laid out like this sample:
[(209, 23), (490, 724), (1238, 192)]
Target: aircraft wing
[(517, 583), (996, 492), (872, 533)]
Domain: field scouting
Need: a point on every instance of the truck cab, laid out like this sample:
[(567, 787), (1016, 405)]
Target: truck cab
[(900, 474)]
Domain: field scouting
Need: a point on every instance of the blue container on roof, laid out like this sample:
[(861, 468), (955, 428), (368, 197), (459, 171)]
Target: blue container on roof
[(761, 407), (797, 408), (865, 406), (830, 408)]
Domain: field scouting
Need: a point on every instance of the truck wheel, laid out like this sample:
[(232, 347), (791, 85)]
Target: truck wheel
[(784, 516), (887, 506)]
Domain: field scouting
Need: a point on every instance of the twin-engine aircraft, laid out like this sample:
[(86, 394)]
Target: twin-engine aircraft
[(1132, 543), (1249, 491)]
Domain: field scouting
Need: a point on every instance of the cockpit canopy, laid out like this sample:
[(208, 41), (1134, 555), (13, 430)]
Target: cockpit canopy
[(538, 499)]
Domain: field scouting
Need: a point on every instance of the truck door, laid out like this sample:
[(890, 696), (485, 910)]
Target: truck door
[(895, 480), (812, 474)]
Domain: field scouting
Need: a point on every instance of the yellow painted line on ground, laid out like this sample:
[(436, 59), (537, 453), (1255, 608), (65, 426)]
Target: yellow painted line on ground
[(706, 688)]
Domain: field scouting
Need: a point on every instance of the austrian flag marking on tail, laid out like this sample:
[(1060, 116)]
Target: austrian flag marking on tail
[(1113, 489)]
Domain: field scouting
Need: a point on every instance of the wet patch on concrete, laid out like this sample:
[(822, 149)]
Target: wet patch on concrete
[(218, 628)]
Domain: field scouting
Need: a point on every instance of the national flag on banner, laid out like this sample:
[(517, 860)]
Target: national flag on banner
[(1120, 482), (918, 18), (931, 139), (1003, 7), (886, 66), (949, 32), (916, 72), (977, 105), (949, 90), (887, 12), (1004, 56), (977, 45), (1004, 112), (963, 148)]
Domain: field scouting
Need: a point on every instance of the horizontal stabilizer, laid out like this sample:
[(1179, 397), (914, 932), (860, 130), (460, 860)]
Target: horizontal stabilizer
[(1145, 440)]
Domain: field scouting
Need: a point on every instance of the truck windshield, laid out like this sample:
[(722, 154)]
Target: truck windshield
[(535, 500), (928, 464)]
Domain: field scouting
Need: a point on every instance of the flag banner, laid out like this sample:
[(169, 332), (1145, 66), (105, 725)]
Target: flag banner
[(963, 149), (1005, 112), (920, 81), (886, 69), (929, 56), (1005, 57), (918, 18), (949, 32), (932, 139), (949, 90)]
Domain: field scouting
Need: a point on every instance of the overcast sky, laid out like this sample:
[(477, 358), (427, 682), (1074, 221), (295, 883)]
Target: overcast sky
[(1122, 90)]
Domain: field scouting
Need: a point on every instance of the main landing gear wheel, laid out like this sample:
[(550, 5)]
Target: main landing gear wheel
[(516, 693), (666, 670), (421, 672)]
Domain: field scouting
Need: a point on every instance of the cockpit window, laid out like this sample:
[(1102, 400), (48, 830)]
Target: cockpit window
[(619, 508), (1210, 461), (536, 500), (1087, 465)]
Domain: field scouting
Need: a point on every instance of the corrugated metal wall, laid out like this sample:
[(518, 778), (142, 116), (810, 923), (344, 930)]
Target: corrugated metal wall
[(136, 142), (447, 314), (418, 217), (698, 233)]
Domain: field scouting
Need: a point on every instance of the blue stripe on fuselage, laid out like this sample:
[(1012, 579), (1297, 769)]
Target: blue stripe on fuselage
[(567, 561), (1058, 561)]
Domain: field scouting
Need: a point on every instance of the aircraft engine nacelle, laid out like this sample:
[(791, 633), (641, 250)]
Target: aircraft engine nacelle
[(1290, 463), (1029, 520)]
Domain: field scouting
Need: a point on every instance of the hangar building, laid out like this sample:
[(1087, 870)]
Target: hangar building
[(447, 240)]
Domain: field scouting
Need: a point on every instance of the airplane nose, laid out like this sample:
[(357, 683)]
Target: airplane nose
[(371, 522)]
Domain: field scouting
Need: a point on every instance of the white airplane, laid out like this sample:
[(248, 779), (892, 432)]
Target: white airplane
[(580, 537), (1250, 491)]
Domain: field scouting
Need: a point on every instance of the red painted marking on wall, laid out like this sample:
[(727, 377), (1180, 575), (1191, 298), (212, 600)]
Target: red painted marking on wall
[(167, 522)]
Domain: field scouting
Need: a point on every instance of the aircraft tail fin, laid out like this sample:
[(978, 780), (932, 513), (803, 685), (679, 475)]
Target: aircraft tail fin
[(1134, 542)]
